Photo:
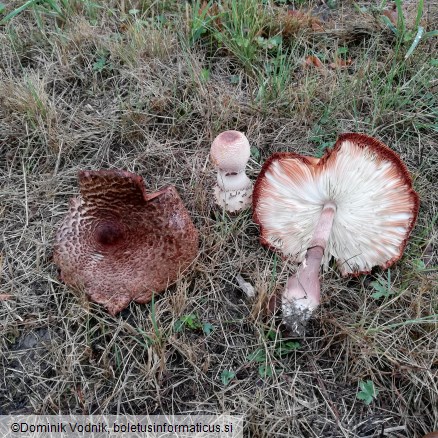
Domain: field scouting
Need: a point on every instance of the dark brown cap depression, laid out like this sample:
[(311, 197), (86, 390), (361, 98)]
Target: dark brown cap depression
[(371, 189), (119, 243)]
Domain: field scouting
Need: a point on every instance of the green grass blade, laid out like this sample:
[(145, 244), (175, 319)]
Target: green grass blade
[(401, 26), (432, 33), (419, 13), (17, 11), (415, 42), (56, 8), (388, 22)]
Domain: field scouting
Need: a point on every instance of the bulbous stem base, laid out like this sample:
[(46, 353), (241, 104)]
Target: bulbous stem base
[(303, 291)]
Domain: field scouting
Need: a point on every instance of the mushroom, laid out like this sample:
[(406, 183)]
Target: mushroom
[(355, 204), (119, 243), (230, 152)]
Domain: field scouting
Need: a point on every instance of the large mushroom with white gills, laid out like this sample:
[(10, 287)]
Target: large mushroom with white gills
[(120, 244), (356, 204)]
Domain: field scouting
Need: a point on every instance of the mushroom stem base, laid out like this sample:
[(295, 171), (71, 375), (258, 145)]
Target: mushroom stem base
[(302, 293), (233, 200)]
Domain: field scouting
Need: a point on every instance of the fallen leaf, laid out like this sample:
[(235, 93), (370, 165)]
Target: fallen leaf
[(409, 11), (316, 25), (123, 27), (203, 8), (211, 12), (340, 63), (313, 61), (392, 16), (274, 304), (306, 20), (297, 14)]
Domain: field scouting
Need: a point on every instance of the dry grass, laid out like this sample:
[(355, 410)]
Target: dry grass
[(108, 89)]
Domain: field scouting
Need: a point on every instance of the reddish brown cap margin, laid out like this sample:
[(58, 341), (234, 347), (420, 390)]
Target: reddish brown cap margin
[(362, 141)]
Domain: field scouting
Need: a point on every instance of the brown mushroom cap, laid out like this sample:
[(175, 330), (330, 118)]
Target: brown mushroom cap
[(376, 207), (119, 243)]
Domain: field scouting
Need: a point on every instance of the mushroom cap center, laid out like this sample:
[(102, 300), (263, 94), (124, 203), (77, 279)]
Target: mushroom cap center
[(230, 151), (109, 233)]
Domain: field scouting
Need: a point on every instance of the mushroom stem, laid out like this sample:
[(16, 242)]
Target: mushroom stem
[(323, 227), (302, 294)]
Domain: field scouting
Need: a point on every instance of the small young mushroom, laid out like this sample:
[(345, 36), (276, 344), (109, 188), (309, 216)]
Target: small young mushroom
[(230, 153), (119, 243), (355, 204)]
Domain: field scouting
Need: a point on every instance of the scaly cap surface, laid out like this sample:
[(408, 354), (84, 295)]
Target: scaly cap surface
[(230, 151), (119, 243)]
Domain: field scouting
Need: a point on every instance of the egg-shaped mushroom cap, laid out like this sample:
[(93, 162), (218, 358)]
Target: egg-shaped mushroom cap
[(230, 151), (119, 243), (376, 207)]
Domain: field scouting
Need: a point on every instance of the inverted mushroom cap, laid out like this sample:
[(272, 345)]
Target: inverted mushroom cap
[(230, 151), (376, 207), (119, 243)]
